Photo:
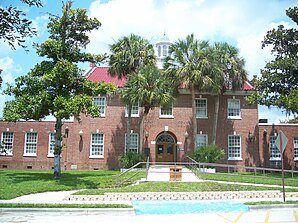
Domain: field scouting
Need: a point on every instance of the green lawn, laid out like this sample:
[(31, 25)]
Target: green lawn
[(15, 183), (27, 205), (175, 187), (248, 177)]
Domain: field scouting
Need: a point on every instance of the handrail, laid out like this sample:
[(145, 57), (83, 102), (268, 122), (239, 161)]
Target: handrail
[(237, 166)]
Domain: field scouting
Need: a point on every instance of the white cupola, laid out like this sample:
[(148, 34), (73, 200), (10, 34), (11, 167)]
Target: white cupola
[(162, 50)]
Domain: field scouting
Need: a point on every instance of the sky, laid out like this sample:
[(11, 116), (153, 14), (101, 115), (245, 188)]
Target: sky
[(242, 23)]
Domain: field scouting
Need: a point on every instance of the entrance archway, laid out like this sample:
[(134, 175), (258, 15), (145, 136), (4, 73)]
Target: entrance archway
[(166, 148)]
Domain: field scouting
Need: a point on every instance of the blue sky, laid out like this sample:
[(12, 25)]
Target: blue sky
[(242, 23)]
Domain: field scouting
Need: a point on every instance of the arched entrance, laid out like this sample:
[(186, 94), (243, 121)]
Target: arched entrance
[(166, 148)]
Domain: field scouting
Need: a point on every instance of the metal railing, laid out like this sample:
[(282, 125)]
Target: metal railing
[(243, 174)]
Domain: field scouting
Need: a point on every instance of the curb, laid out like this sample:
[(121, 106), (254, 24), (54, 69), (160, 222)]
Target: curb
[(104, 211), (271, 206)]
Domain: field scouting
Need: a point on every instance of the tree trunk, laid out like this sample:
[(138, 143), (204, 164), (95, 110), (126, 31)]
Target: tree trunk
[(215, 121), (58, 148), (194, 117), (142, 132), (128, 128)]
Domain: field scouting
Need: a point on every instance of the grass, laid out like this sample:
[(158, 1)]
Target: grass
[(29, 205), (270, 202), (175, 187), (15, 183), (247, 177)]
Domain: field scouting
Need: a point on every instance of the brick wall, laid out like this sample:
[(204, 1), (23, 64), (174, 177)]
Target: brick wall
[(265, 131), (76, 153)]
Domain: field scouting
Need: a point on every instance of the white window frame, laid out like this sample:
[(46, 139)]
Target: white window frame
[(234, 148), (8, 143), (201, 108), (274, 152), (135, 110), (166, 115), (295, 145), (135, 137), (201, 140), (99, 144), (101, 107), (51, 144), (30, 143), (231, 106)]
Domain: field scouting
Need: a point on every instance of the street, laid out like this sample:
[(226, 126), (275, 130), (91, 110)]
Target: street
[(271, 215)]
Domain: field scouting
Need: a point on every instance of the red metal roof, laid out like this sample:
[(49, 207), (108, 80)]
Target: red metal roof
[(247, 86), (98, 74)]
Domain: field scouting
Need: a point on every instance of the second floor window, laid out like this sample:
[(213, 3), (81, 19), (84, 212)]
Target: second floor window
[(30, 144), (234, 108), (166, 112), (101, 103), (201, 108), (134, 110), (7, 143)]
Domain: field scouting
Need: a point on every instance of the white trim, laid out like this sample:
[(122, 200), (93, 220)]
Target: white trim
[(30, 154), (103, 146), (166, 116), (206, 108), (132, 115), (10, 152), (49, 146), (274, 159), (240, 143), (105, 105)]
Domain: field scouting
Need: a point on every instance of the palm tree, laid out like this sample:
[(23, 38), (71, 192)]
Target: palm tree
[(150, 88), (189, 63), (128, 55), (228, 72)]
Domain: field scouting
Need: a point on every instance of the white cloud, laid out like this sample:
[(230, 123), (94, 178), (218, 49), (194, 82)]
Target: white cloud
[(8, 69), (243, 22)]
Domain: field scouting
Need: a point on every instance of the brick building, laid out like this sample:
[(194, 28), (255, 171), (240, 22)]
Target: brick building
[(96, 143)]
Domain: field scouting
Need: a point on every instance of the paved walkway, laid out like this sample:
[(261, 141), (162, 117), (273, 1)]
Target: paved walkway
[(162, 174)]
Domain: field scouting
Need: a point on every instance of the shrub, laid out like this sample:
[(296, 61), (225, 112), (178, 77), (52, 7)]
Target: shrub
[(129, 159), (208, 154)]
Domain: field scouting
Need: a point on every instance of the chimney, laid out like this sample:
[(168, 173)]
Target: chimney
[(92, 64)]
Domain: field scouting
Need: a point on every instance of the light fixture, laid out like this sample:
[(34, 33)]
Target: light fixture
[(81, 133), (66, 131), (250, 136), (146, 135), (186, 135), (264, 133)]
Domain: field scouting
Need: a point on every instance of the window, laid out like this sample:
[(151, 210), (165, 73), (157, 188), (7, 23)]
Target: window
[(159, 51), (234, 108), (134, 110), (234, 147), (274, 151), (51, 144), (166, 112), (30, 144), (134, 142), (97, 145), (296, 148), (101, 103), (7, 142), (165, 50), (201, 140), (201, 108)]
